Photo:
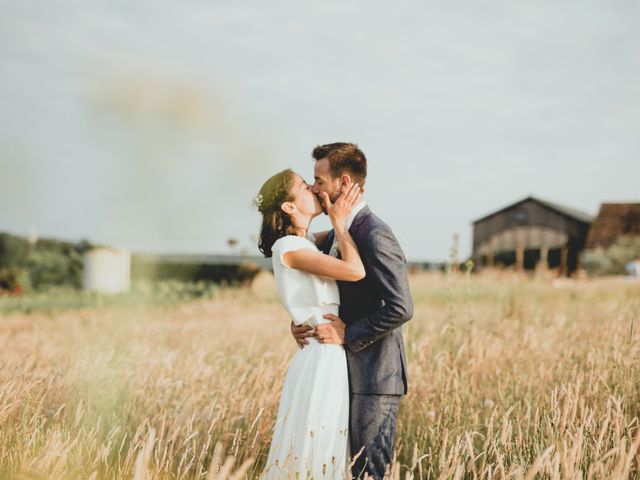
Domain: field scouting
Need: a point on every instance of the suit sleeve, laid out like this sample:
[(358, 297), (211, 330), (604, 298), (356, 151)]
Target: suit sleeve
[(386, 268)]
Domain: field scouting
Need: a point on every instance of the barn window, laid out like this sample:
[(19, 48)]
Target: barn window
[(520, 216)]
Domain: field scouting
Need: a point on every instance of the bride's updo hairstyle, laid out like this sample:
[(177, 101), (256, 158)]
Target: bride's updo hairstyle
[(275, 223)]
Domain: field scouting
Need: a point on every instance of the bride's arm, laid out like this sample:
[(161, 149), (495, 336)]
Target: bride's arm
[(350, 267), (318, 263)]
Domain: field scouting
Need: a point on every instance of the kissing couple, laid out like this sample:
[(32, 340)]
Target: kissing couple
[(347, 293)]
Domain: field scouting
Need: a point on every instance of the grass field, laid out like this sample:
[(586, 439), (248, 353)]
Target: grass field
[(509, 377)]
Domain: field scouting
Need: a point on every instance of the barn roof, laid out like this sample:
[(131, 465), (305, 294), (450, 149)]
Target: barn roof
[(614, 220), (562, 209)]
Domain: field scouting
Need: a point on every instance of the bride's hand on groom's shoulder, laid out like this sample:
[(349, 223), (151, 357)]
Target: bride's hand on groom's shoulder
[(301, 333)]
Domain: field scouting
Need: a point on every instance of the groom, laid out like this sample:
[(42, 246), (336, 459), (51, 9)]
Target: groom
[(371, 312)]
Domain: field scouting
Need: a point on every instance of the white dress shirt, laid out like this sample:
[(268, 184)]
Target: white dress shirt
[(334, 246)]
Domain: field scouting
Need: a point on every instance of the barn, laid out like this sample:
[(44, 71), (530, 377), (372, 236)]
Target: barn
[(529, 232)]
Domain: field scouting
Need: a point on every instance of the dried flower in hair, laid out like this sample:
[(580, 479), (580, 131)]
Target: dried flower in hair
[(257, 202)]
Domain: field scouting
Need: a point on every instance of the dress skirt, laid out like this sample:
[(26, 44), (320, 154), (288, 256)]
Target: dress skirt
[(311, 433)]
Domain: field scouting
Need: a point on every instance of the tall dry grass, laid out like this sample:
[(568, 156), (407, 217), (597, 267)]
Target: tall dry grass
[(509, 377)]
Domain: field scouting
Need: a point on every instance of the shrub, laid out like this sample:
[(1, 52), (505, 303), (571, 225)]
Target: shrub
[(46, 263), (597, 262), (159, 270), (47, 269), (612, 261), (13, 251), (9, 281)]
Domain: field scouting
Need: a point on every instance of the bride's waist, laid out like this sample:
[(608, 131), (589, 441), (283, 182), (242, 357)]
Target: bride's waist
[(333, 308), (330, 308), (314, 315), (318, 319)]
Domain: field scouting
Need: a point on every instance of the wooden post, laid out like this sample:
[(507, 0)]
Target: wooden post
[(490, 258), (564, 256), (544, 258), (455, 262), (520, 257)]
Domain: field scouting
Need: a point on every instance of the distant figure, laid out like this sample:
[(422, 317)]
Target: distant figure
[(633, 268)]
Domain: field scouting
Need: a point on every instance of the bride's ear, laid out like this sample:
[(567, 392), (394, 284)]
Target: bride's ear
[(288, 208)]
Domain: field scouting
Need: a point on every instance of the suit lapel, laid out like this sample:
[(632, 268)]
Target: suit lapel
[(359, 220), (353, 229), (326, 248)]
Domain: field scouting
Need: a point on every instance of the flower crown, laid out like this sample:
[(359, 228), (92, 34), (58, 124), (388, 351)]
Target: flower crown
[(257, 201), (262, 204)]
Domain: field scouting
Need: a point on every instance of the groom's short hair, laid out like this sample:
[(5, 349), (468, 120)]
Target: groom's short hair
[(343, 158)]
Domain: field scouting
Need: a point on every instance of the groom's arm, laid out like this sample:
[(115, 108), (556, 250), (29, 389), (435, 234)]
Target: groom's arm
[(386, 269)]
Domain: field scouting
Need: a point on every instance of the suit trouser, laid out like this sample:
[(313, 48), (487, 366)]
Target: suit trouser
[(372, 425)]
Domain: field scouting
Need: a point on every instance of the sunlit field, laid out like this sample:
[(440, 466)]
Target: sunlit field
[(509, 377)]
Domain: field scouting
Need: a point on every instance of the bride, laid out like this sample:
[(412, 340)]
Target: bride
[(310, 437)]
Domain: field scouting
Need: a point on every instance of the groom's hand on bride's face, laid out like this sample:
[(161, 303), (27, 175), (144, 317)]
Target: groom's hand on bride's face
[(301, 333), (330, 332)]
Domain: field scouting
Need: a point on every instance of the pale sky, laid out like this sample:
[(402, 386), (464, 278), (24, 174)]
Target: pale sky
[(151, 125)]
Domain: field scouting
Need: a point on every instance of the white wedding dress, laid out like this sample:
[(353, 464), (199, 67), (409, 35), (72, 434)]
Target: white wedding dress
[(310, 437)]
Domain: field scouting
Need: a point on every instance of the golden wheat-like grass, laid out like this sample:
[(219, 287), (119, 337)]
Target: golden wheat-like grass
[(509, 377)]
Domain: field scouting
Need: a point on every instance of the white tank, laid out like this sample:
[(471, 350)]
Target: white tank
[(107, 270)]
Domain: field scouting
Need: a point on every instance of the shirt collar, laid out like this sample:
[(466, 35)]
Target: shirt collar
[(354, 212)]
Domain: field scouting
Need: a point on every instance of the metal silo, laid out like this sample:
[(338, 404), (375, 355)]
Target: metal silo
[(107, 270)]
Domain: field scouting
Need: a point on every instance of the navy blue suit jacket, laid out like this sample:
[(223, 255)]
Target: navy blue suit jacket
[(374, 308)]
